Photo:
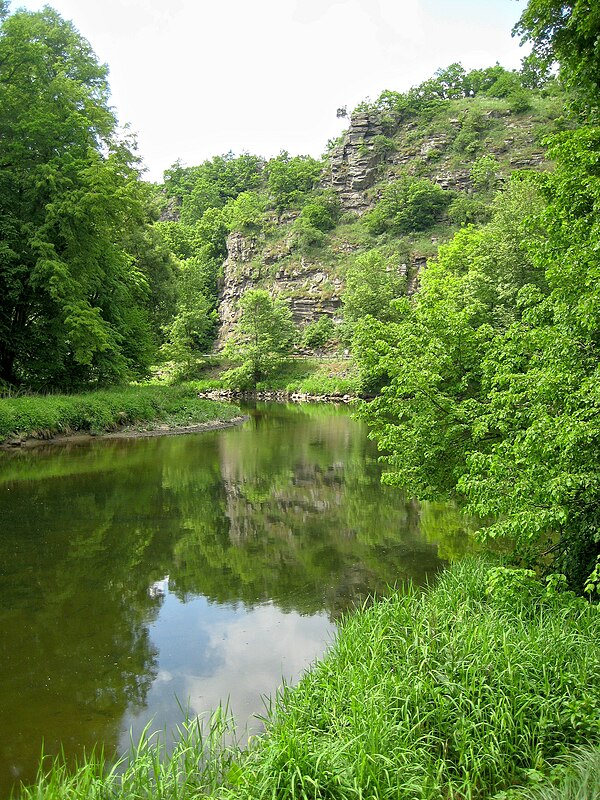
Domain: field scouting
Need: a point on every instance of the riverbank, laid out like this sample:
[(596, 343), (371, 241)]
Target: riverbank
[(275, 396), (475, 687), (131, 412)]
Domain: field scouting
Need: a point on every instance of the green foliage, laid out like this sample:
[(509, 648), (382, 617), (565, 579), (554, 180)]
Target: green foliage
[(290, 179), (372, 283), (468, 141), (408, 204), (566, 31), (246, 213), (429, 354), (318, 333), (575, 777), (460, 695), (201, 761), (74, 307), (212, 184), (191, 330), (465, 210), (322, 211), (492, 372), (263, 336), (484, 173), (542, 377)]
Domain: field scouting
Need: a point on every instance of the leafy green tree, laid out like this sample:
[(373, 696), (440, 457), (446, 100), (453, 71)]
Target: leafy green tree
[(566, 31), (246, 214), (213, 183), (541, 477), (72, 299), (484, 173), (430, 352), (322, 211), (289, 179), (191, 330), (408, 204), (318, 333), (371, 284), (263, 336)]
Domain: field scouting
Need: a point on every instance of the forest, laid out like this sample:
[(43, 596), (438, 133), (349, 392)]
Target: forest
[(482, 385)]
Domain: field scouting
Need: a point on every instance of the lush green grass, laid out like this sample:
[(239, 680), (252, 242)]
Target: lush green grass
[(43, 416), (575, 778), (311, 376), (197, 766), (457, 693), (476, 686)]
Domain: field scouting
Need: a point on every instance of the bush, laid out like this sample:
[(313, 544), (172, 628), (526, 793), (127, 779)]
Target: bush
[(408, 204), (318, 333)]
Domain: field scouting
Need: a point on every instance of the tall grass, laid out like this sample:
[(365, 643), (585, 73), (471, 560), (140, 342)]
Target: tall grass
[(576, 778), (197, 766), (43, 416), (457, 693), (464, 692)]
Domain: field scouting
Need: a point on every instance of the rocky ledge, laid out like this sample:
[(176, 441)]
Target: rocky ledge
[(276, 396)]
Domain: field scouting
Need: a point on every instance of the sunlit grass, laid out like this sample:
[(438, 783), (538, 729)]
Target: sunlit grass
[(196, 766), (43, 416)]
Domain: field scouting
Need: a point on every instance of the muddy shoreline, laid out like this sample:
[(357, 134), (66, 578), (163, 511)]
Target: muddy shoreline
[(160, 429)]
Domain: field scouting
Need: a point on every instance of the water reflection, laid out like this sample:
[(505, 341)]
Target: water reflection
[(267, 533)]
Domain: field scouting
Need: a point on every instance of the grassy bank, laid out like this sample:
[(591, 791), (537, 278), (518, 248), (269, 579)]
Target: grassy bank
[(108, 410), (481, 684), (302, 375)]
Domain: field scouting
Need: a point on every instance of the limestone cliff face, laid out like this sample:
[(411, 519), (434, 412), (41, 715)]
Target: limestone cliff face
[(366, 160), (355, 160), (308, 287)]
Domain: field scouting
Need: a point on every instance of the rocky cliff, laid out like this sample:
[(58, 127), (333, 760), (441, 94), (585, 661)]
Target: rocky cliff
[(369, 157)]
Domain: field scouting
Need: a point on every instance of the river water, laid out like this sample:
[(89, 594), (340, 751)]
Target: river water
[(143, 577)]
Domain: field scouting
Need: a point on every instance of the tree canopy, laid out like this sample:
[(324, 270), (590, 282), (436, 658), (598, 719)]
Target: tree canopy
[(73, 299)]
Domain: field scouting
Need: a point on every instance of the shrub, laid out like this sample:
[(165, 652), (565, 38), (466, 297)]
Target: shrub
[(408, 204), (318, 333)]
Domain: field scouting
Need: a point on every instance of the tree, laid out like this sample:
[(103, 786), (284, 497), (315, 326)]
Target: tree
[(566, 31), (72, 299), (289, 179), (191, 331), (371, 285), (429, 352), (263, 336), (540, 477), (408, 204)]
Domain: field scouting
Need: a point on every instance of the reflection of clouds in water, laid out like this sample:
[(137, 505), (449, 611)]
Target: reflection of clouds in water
[(211, 654), (260, 651)]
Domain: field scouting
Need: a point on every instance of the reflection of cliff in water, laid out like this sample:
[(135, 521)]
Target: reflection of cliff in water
[(286, 510), (301, 518)]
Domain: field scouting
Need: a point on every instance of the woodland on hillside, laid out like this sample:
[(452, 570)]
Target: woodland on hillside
[(486, 381)]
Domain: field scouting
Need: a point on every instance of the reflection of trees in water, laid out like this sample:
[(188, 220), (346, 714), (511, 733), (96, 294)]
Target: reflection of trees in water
[(288, 508), (298, 515), (75, 600)]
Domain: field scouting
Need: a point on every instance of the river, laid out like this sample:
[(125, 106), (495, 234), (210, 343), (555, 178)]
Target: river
[(143, 577)]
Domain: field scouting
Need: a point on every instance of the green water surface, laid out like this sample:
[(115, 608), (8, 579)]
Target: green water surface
[(140, 577)]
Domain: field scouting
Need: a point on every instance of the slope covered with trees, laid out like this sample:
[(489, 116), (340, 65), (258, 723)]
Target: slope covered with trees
[(76, 258)]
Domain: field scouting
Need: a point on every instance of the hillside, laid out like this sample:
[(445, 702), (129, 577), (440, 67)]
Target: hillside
[(466, 147)]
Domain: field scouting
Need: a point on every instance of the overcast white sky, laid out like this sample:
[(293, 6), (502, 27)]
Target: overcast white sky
[(196, 78)]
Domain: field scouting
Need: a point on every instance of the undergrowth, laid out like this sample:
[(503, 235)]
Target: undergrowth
[(43, 416), (475, 689)]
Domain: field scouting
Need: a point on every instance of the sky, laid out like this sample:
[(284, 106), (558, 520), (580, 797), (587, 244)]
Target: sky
[(198, 78)]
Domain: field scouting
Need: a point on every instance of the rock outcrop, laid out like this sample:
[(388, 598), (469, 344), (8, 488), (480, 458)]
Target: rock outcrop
[(355, 160), (308, 286)]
